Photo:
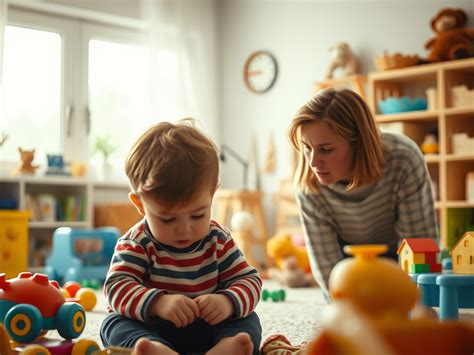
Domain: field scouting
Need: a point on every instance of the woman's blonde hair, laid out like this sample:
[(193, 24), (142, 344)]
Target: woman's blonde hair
[(171, 162), (349, 116)]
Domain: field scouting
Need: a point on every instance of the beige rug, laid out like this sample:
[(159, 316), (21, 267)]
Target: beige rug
[(298, 318)]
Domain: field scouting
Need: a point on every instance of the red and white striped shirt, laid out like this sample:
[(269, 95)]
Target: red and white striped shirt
[(142, 269)]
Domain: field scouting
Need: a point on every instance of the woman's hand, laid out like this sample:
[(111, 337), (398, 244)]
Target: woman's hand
[(179, 309), (214, 308)]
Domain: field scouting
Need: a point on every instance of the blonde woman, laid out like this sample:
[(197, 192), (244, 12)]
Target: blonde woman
[(355, 185)]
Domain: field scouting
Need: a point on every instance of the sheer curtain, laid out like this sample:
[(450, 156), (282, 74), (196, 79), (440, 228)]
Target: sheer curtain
[(3, 23), (182, 45)]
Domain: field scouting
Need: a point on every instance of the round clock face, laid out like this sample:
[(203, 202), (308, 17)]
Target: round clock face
[(260, 71)]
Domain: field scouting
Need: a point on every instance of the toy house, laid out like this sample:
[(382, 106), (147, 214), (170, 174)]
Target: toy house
[(462, 254), (418, 255)]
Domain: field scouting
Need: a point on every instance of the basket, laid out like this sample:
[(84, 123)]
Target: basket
[(394, 61)]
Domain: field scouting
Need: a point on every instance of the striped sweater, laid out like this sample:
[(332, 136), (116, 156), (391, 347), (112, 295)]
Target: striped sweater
[(142, 269), (399, 205)]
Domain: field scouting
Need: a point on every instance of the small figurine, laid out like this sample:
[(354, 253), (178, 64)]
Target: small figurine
[(343, 58), (430, 144), (26, 166)]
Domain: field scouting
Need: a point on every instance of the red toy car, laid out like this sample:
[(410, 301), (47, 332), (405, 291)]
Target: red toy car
[(31, 304)]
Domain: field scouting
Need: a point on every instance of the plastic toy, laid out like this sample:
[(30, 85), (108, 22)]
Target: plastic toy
[(417, 255), (281, 246), (447, 291), (31, 303), (275, 296), (403, 104), (369, 314), (44, 346), (87, 298), (13, 242), (93, 283), (462, 254), (66, 264)]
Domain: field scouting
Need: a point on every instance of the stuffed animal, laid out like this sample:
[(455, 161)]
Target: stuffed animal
[(281, 247), (452, 40), (342, 58), (26, 166), (291, 275)]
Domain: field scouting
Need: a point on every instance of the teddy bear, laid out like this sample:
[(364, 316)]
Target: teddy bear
[(26, 166), (452, 40), (342, 58)]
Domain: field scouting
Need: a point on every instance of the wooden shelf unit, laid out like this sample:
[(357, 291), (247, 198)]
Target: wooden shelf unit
[(448, 170), (40, 231)]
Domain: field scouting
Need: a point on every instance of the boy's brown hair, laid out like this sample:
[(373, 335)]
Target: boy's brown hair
[(171, 162), (350, 117)]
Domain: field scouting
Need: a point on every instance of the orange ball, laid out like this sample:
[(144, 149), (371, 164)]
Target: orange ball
[(72, 287), (87, 298), (65, 293)]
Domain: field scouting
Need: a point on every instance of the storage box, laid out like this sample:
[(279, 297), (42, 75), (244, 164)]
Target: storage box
[(13, 242)]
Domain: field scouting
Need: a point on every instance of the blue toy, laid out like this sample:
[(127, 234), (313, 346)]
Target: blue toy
[(67, 262), (446, 291)]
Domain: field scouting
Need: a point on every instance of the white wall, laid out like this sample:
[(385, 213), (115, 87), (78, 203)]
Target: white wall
[(299, 34)]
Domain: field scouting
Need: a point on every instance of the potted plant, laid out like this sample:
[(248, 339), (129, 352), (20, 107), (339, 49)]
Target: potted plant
[(104, 146)]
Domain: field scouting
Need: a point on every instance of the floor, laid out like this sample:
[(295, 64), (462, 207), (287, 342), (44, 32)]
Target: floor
[(298, 317)]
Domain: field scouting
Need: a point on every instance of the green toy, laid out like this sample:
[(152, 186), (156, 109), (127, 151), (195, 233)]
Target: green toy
[(276, 296)]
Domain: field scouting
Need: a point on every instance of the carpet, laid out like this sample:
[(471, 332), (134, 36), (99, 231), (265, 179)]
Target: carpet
[(298, 318)]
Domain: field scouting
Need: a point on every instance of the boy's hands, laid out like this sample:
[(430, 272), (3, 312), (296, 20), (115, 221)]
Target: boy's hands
[(179, 309), (214, 308)]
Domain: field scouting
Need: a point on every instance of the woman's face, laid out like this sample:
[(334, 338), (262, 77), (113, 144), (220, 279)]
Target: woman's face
[(330, 156)]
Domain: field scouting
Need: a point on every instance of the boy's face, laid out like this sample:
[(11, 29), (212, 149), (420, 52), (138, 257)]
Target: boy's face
[(180, 226)]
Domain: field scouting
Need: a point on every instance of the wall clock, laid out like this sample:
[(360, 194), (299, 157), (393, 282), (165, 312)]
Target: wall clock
[(260, 71)]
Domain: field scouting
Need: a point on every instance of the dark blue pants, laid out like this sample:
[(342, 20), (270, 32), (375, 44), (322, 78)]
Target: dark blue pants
[(199, 336)]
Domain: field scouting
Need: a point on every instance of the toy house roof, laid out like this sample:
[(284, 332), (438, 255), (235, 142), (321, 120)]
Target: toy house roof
[(420, 245), (465, 235)]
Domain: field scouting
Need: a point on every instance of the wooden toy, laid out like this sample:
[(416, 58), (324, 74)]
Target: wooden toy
[(13, 242), (68, 264), (418, 255), (397, 60), (26, 165), (462, 254), (31, 303)]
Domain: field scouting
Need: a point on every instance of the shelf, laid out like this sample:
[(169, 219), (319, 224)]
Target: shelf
[(458, 111), (458, 157), (57, 224), (432, 158), (411, 116), (459, 204)]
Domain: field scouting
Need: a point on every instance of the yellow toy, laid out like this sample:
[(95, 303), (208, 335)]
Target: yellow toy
[(462, 254), (372, 298), (281, 247), (13, 242)]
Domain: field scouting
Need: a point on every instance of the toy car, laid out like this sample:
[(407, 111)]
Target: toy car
[(31, 304)]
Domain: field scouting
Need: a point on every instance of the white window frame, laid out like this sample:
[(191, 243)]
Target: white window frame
[(76, 28)]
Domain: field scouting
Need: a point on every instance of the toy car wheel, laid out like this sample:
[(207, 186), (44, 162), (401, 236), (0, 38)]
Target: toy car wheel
[(23, 323), (85, 347), (70, 320), (35, 350)]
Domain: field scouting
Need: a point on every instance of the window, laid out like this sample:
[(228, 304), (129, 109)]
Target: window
[(466, 243), (459, 260), (68, 82)]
